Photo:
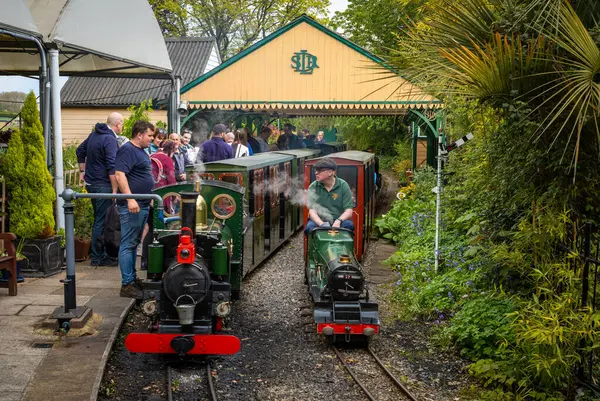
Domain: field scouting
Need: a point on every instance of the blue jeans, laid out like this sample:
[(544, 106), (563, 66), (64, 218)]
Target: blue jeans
[(311, 225), (132, 226), (100, 208)]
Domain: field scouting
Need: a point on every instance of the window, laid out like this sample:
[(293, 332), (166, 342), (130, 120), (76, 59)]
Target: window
[(258, 191), (350, 175), (234, 178)]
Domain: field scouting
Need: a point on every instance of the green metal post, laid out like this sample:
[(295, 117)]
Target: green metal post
[(415, 135)]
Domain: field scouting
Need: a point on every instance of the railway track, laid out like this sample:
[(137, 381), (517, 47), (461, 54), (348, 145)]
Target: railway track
[(175, 378), (393, 378)]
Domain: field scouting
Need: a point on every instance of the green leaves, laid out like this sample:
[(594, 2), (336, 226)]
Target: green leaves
[(29, 181)]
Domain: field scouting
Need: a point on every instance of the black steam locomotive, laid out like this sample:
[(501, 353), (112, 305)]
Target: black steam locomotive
[(188, 292)]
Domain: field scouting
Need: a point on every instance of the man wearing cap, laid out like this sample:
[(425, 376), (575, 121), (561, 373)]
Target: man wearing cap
[(329, 199), (215, 148)]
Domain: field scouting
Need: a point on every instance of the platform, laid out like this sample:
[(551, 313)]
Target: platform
[(37, 365)]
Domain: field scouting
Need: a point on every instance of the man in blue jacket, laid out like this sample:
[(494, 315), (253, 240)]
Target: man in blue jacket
[(96, 158), (215, 148)]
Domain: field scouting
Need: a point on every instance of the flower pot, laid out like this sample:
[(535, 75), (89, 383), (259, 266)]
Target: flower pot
[(4, 274), (43, 255), (82, 249)]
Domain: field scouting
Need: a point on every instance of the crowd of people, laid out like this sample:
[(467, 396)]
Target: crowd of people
[(226, 144), (110, 162)]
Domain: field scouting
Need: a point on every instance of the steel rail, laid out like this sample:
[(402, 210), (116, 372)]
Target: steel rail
[(385, 369), (356, 379), (391, 376), (211, 385), (169, 383)]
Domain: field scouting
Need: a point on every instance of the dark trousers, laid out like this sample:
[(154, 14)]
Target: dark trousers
[(100, 208), (311, 225)]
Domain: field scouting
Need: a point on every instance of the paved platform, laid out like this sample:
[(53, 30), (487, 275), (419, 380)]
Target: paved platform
[(35, 364)]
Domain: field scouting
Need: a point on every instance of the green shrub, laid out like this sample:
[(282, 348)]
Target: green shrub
[(29, 182), (83, 215), (141, 112), (480, 325)]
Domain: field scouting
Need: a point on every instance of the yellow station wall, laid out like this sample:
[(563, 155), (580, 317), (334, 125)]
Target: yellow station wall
[(78, 122), (266, 74)]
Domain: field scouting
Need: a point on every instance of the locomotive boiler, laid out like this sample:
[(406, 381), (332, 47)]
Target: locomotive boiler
[(337, 286), (188, 292)]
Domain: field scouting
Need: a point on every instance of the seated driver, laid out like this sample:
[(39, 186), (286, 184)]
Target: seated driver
[(329, 198)]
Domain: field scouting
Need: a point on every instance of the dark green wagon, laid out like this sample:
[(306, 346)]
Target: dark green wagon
[(267, 179)]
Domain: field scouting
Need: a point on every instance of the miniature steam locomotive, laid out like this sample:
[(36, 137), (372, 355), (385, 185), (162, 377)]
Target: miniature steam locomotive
[(188, 292), (337, 286)]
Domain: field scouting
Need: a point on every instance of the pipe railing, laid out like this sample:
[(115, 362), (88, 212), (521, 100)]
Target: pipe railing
[(68, 195)]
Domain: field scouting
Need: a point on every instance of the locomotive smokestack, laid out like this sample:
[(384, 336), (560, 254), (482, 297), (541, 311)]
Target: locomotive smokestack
[(188, 210)]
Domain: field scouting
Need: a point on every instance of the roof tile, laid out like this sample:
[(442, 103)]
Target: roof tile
[(189, 57)]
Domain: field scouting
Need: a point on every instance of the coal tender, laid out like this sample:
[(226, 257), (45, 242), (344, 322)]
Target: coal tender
[(187, 294)]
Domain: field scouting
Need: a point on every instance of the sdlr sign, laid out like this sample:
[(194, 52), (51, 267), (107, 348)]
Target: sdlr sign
[(304, 62)]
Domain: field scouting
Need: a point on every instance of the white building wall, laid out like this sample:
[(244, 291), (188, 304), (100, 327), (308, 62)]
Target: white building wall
[(213, 61)]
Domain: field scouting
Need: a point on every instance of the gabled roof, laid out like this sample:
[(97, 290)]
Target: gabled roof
[(189, 57), (344, 79)]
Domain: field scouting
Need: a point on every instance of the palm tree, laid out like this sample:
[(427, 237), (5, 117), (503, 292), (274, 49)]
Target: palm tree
[(539, 52)]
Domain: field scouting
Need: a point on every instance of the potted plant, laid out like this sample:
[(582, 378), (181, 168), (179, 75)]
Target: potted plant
[(32, 195), (83, 219)]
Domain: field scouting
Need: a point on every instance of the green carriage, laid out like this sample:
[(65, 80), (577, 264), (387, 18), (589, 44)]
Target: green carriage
[(267, 181)]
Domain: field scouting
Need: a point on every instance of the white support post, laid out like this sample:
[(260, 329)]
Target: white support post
[(438, 207), (177, 103), (57, 130)]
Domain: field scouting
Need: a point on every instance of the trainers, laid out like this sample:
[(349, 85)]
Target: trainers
[(131, 291), (105, 262)]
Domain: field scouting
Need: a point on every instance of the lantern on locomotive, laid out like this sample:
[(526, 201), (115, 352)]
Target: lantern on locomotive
[(187, 293), (337, 286)]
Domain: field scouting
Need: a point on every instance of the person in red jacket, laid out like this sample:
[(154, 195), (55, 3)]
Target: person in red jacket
[(163, 167)]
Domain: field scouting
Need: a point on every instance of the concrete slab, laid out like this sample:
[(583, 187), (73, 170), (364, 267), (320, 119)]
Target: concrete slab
[(19, 299), (89, 292), (102, 284), (22, 347), (58, 300), (38, 289), (17, 372), (12, 395), (37, 310), (10, 310)]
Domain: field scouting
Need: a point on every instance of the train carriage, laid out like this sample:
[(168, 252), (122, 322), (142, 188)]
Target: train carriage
[(297, 194), (360, 171), (267, 209), (328, 148)]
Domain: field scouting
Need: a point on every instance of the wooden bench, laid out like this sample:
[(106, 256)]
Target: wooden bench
[(9, 262)]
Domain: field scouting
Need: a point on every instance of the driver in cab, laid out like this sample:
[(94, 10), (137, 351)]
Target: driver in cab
[(329, 199)]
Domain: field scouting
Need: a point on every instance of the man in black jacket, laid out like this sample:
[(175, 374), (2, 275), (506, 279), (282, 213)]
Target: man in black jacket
[(96, 158)]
